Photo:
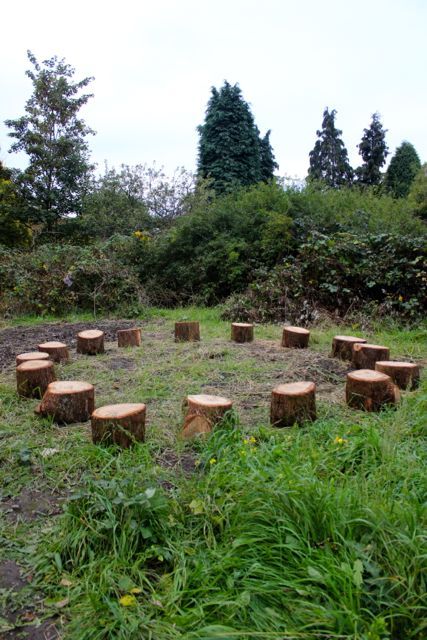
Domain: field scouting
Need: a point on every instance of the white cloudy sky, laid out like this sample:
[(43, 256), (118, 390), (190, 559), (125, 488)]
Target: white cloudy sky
[(155, 62)]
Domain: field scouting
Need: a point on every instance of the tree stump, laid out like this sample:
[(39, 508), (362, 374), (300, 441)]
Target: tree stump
[(33, 377), (120, 424), (187, 332), (370, 390), (406, 375), (58, 351), (292, 403), (31, 355), (90, 342), (366, 355), (129, 337), (203, 413), (242, 332), (68, 401), (295, 337), (342, 346)]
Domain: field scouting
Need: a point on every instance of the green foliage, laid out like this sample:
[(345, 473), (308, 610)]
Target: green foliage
[(329, 159), (402, 170), (417, 197), (268, 163), (374, 151), (14, 232)]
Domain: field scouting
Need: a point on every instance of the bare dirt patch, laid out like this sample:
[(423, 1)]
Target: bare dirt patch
[(10, 576), (45, 631), (31, 504)]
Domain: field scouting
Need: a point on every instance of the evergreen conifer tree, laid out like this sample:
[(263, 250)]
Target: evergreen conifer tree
[(402, 170), (329, 158), (374, 151)]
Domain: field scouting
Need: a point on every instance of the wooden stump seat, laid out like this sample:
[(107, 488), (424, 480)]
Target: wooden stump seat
[(68, 401), (366, 355), (342, 346), (370, 390), (31, 355), (33, 377), (58, 351), (120, 424), (203, 413), (242, 332), (294, 402), (129, 337), (187, 332), (295, 337), (406, 375), (90, 342)]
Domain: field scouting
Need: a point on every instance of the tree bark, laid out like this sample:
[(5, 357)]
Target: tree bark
[(292, 403), (31, 355), (33, 377), (120, 424), (295, 337), (129, 337), (366, 355), (68, 401), (342, 346), (370, 390), (203, 413), (90, 342), (58, 351), (242, 332), (187, 332), (406, 375)]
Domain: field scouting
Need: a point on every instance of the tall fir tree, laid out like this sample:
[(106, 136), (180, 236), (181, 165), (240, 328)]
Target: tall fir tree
[(230, 150), (329, 158), (374, 152), (402, 170)]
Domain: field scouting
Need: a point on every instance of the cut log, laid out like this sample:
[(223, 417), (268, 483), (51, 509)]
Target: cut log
[(295, 337), (31, 355), (121, 424), (242, 332), (90, 342), (58, 351), (342, 346), (68, 401), (292, 403), (203, 413), (366, 355), (370, 390), (406, 375), (187, 332), (129, 337), (33, 377)]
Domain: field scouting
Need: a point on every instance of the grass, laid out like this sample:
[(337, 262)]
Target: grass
[(255, 533)]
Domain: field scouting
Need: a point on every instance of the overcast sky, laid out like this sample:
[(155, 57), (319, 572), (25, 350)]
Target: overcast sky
[(155, 62)]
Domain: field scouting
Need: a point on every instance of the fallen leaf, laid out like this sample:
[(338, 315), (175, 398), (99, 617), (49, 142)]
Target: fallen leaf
[(46, 453), (136, 590), (65, 582)]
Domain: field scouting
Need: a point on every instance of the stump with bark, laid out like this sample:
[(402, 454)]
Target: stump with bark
[(203, 413), (33, 377), (129, 337), (90, 342), (406, 375), (31, 355), (242, 332), (370, 390), (292, 403), (366, 355), (121, 424), (187, 332), (342, 346), (58, 351), (68, 401), (295, 337)]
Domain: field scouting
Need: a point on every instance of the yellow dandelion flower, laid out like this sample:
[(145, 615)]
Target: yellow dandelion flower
[(212, 461), (128, 600)]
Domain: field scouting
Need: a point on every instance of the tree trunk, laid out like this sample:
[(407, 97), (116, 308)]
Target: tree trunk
[(203, 413), (370, 390), (129, 337), (295, 337), (121, 424), (342, 346), (31, 355), (292, 403), (187, 332), (366, 355), (242, 332), (68, 401), (58, 351), (90, 342), (406, 375), (33, 377)]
